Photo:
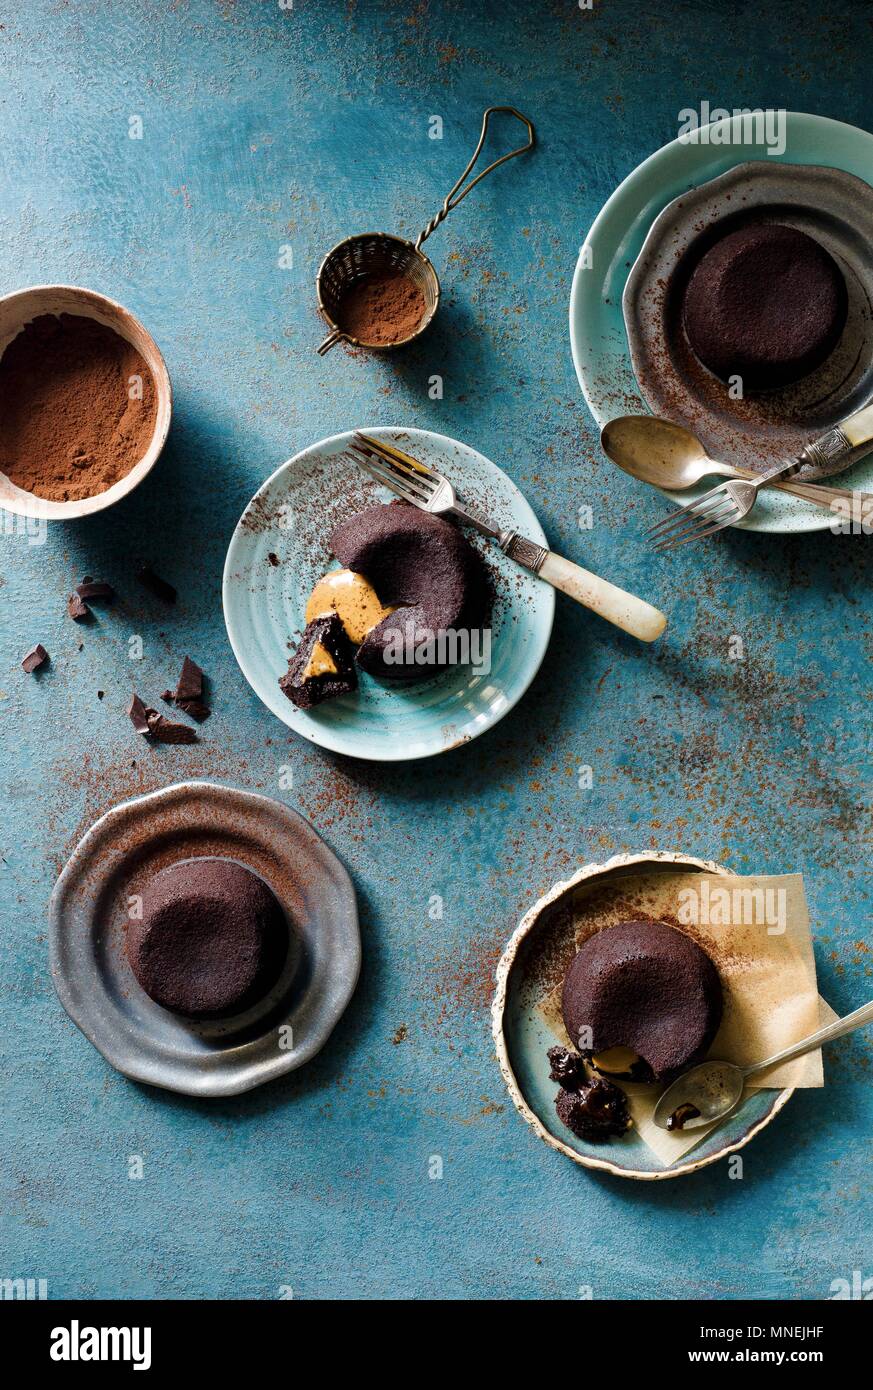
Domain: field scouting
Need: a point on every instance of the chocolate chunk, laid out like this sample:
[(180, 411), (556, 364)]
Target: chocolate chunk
[(95, 589), (77, 607), (155, 585), (36, 657), (195, 708), (190, 683), (189, 691), (166, 731), (567, 1068), (273, 559), (681, 1116), (594, 1112), (136, 712)]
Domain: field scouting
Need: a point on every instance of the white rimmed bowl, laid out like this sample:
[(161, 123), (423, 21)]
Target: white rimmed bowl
[(21, 308)]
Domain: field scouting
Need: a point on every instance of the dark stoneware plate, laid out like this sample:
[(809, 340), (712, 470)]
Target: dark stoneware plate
[(834, 208), (678, 172), (89, 909)]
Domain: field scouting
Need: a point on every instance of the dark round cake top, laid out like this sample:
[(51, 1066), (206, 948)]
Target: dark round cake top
[(212, 938), (766, 303), (423, 567), (645, 986)]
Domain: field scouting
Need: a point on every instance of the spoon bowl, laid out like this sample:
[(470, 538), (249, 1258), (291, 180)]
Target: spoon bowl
[(659, 452), (701, 1096)]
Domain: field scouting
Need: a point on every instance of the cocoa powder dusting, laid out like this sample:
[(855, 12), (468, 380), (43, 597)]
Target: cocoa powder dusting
[(69, 426), (382, 309)]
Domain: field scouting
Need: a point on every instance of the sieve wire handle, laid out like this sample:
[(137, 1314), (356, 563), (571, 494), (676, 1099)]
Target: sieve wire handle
[(452, 200)]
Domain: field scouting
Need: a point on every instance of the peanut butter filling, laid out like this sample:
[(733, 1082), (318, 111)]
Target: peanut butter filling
[(320, 663), (352, 598)]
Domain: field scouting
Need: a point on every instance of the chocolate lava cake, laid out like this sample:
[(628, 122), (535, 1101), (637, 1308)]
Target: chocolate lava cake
[(421, 566), (646, 987), (766, 303), (211, 941)]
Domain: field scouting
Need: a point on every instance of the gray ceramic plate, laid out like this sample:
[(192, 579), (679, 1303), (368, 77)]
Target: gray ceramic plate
[(832, 206), (97, 988), (535, 957)]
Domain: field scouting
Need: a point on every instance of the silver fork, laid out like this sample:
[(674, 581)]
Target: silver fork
[(721, 506), (424, 487)]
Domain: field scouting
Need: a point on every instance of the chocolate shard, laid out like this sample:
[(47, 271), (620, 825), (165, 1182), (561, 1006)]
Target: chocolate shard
[(36, 657), (137, 714), (156, 585), (95, 589), (190, 683), (195, 708), (166, 731), (77, 607)]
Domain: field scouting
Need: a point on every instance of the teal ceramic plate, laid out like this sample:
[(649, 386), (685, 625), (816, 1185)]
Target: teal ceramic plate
[(597, 330), (278, 552), (529, 971)]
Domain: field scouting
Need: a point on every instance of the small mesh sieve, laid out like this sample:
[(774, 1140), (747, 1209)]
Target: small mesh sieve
[(377, 253)]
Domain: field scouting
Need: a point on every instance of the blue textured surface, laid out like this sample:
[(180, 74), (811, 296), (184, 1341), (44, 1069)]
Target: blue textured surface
[(265, 128)]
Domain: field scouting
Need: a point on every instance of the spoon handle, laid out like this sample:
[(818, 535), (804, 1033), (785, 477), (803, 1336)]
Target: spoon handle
[(837, 1029)]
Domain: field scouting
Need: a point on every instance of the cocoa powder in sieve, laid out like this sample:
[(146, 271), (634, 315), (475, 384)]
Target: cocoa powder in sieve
[(77, 407), (381, 309)]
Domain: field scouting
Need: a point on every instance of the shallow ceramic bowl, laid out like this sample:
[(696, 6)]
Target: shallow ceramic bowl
[(522, 1035), (89, 910), (21, 308), (279, 551)]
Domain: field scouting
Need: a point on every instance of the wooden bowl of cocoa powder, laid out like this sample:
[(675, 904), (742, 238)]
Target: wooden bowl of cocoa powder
[(85, 402)]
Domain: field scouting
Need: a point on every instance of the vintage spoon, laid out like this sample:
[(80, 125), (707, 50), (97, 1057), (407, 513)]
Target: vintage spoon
[(712, 1090), (668, 456)]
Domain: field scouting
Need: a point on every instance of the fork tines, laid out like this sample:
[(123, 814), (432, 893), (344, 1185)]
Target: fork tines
[(708, 514), (393, 469)]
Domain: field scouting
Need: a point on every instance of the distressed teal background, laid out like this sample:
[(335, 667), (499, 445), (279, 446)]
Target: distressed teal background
[(265, 128)]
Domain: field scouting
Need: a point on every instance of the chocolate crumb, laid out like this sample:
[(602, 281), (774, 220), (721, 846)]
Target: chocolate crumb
[(36, 657), (273, 559)]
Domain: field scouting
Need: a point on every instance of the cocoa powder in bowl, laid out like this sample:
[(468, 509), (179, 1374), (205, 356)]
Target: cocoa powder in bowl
[(78, 407)]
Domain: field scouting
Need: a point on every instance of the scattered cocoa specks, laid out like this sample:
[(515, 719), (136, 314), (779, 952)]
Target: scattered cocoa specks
[(401, 1033)]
